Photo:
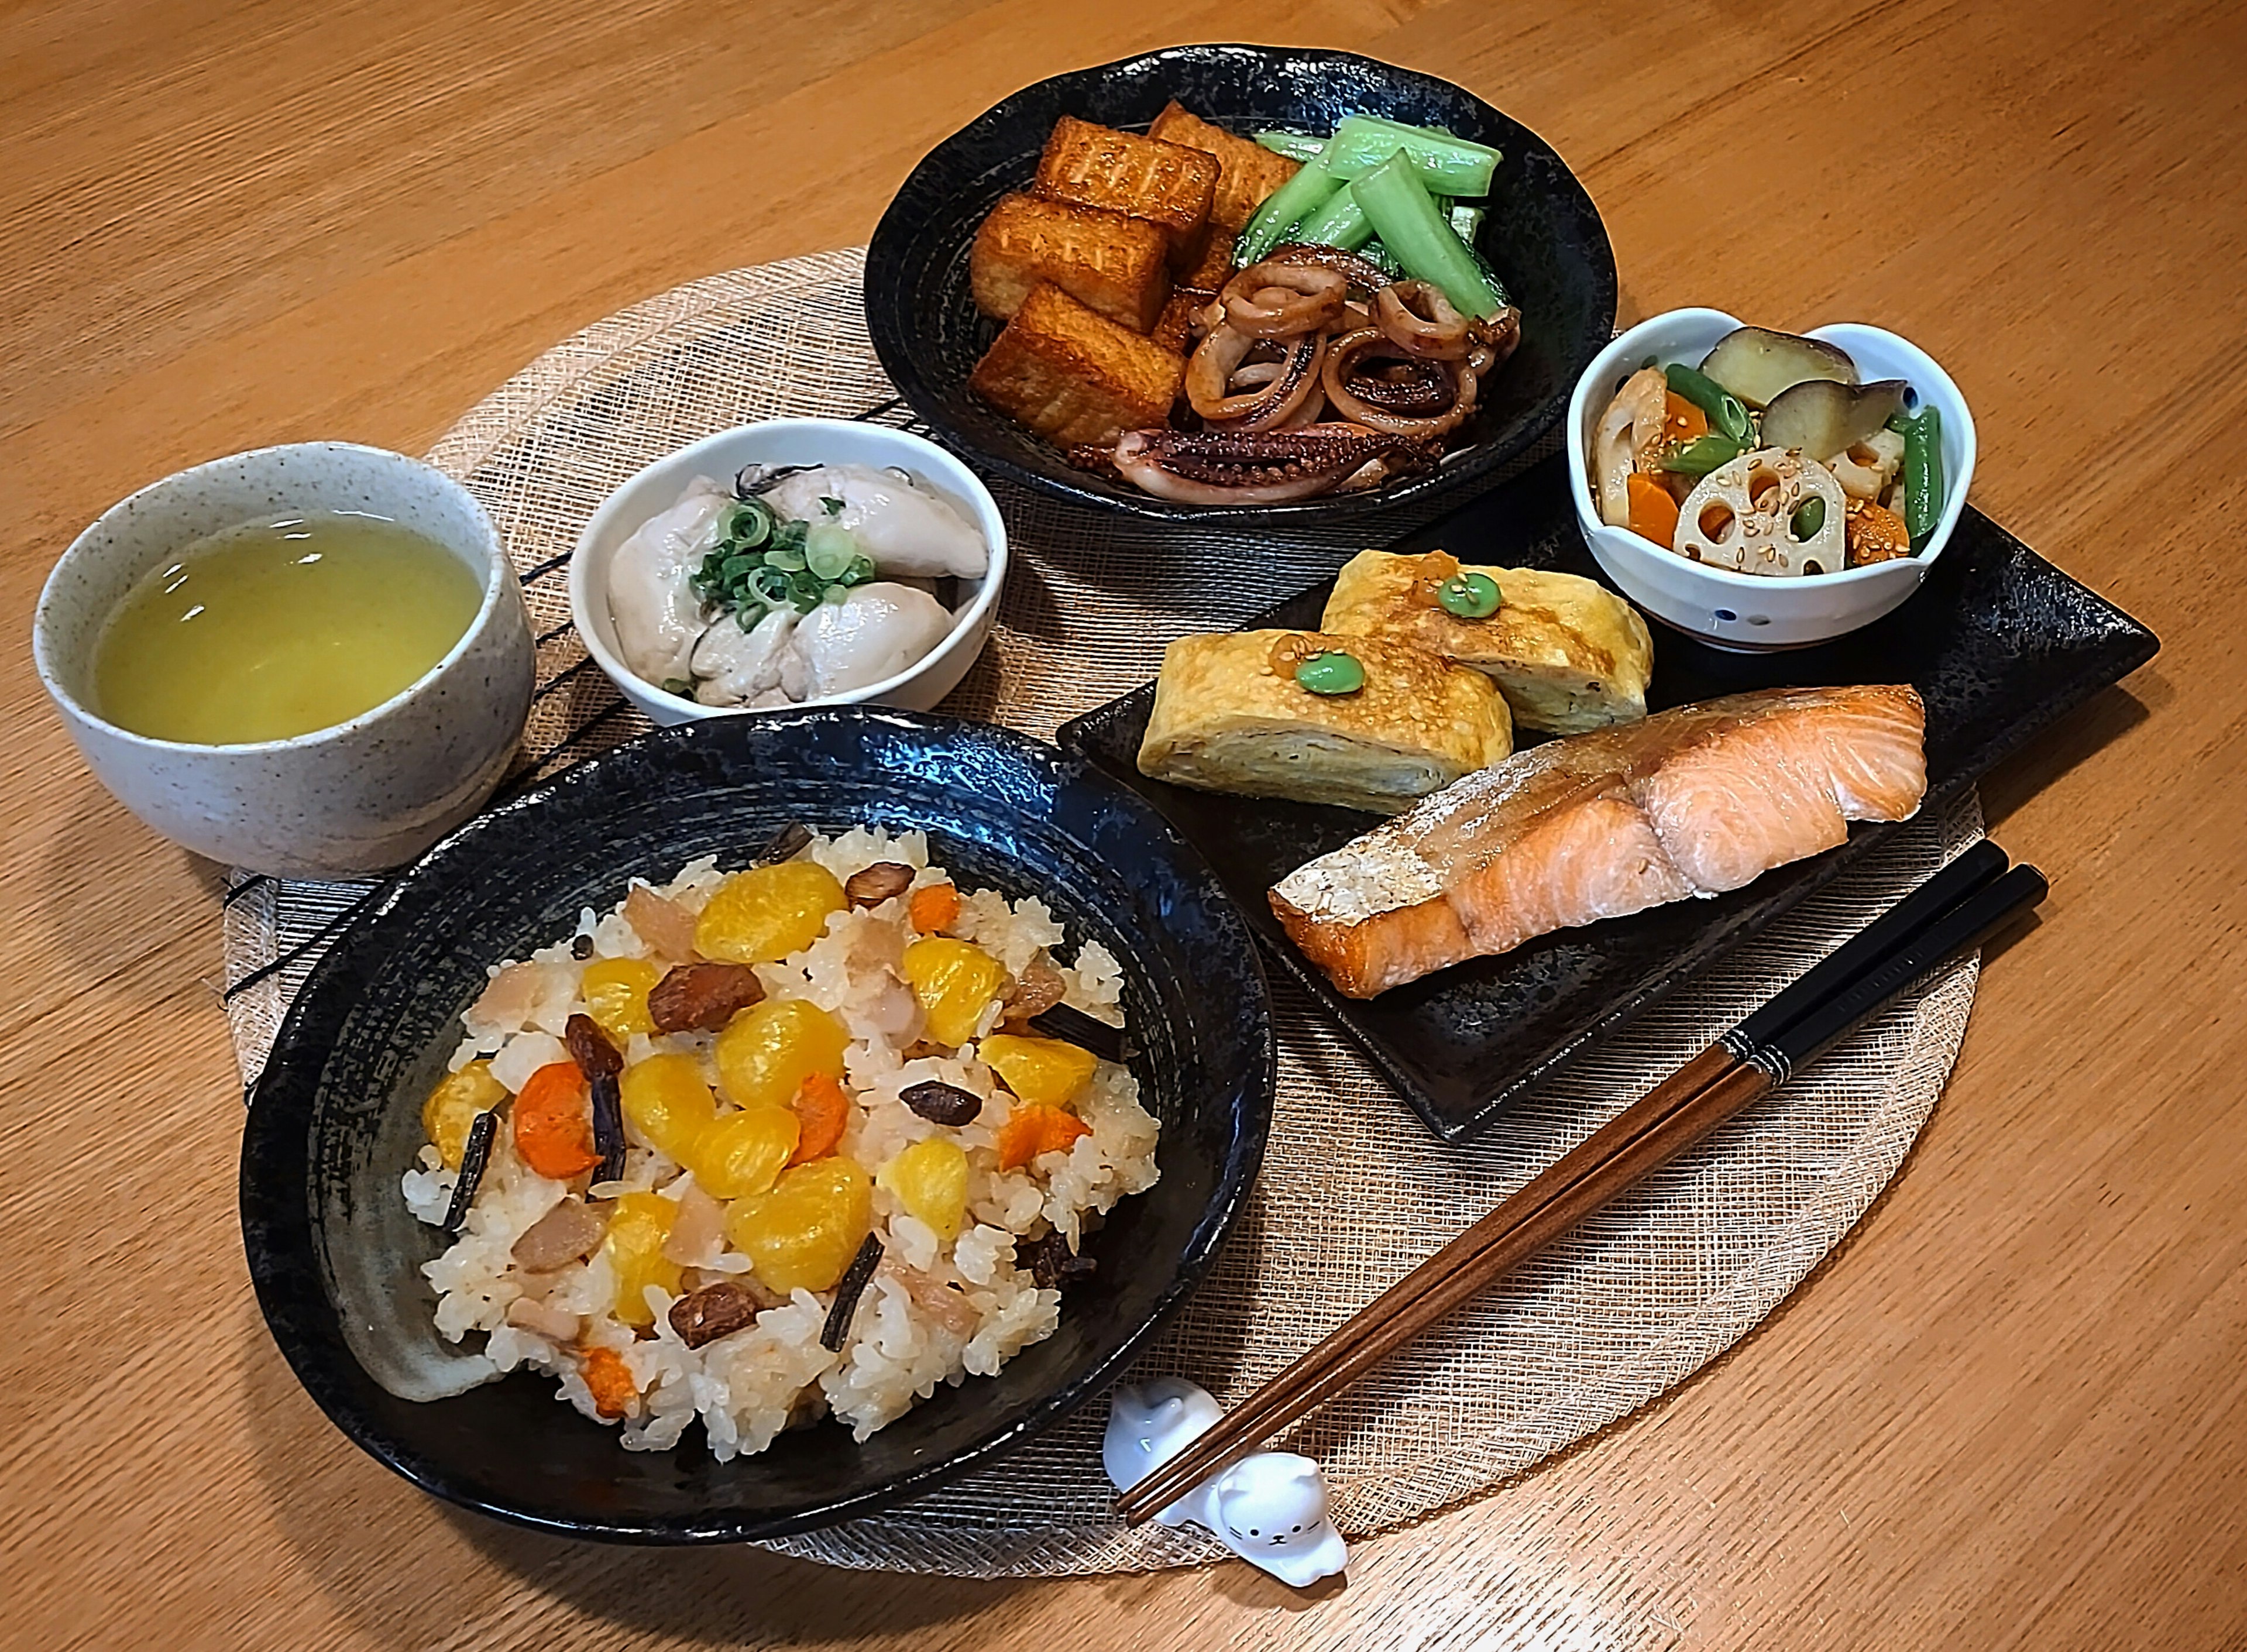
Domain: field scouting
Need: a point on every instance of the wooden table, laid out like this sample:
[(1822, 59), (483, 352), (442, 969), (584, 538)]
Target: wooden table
[(2010, 1411)]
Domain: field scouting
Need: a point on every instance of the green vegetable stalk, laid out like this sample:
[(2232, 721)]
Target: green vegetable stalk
[(1444, 165), (1288, 205), (1341, 222), (1418, 238), (1296, 146)]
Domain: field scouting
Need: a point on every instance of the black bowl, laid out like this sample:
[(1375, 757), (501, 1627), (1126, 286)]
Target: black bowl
[(335, 1118), (1542, 235)]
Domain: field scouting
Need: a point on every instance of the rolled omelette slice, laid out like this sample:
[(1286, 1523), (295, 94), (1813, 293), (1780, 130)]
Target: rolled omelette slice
[(1568, 653), (1230, 716)]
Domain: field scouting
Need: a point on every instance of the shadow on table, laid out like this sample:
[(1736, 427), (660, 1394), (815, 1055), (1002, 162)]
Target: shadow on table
[(2105, 717), (408, 1570)]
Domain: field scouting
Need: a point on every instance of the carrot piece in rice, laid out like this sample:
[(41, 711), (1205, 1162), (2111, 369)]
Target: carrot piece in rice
[(1032, 1129), (609, 1378), (823, 1108), (933, 907), (554, 1123)]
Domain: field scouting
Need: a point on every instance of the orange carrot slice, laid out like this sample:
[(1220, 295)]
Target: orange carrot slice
[(932, 907), (1653, 512), (1683, 422), (609, 1378), (554, 1123), (823, 1108), (1032, 1129)]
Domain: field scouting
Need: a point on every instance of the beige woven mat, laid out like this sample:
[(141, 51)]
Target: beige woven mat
[(1354, 1190)]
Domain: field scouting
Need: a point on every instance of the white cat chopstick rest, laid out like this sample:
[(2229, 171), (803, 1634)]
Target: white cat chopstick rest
[(1270, 1509)]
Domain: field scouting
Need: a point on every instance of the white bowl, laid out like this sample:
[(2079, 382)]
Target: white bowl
[(1753, 612), (361, 796), (789, 441)]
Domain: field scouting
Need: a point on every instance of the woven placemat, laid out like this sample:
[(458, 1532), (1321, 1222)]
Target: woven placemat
[(1354, 1190)]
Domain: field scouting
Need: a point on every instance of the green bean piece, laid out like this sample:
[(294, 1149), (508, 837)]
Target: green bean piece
[(1703, 454), (1809, 517), (1469, 595), (1330, 674), (1922, 475), (1728, 415)]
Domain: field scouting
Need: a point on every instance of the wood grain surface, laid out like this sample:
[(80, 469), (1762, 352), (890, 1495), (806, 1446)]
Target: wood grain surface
[(2009, 1411)]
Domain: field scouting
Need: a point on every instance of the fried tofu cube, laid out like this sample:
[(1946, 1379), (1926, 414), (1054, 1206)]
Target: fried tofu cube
[(1247, 173), (1174, 328), (1165, 183), (1074, 376), (1115, 264), (1216, 266)]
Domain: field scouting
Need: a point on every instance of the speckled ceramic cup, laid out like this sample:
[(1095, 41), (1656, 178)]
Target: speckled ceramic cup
[(361, 796)]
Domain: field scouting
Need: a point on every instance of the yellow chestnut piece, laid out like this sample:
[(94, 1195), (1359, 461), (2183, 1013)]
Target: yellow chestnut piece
[(763, 914), (803, 1233), (639, 1224), (930, 1179), (743, 1153), (1048, 1071), (955, 983), (769, 1048), (453, 1107), (667, 1103), (615, 990)]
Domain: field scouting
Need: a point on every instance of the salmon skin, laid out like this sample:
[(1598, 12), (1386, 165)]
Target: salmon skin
[(1690, 802)]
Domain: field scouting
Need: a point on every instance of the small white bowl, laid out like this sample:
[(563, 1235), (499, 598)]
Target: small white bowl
[(1753, 612), (361, 796), (789, 441)]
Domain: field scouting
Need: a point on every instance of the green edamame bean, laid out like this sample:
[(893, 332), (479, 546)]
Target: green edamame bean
[(1331, 674), (1728, 415), (1923, 475), (1469, 595)]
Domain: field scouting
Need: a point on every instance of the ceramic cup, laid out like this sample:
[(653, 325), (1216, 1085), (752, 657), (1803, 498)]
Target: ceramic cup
[(360, 797)]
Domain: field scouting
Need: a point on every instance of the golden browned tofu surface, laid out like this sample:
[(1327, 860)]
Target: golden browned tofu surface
[(1072, 375), (1246, 171), (1214, 267), (1568, 653), (1229, 716), (1111, 263), (1173, 328), (1165, 183)]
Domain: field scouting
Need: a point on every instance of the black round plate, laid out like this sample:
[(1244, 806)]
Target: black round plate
[(334, 1122), (1542, 235)]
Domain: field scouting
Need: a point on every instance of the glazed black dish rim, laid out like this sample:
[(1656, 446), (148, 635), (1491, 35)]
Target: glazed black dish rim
[(892, 326), (282, 1219)]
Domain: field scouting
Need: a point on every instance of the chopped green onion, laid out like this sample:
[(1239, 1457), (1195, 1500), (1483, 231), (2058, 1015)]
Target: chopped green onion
[(1296, 146), (1408, 225), (789, 559), (683, 686), (751, 524), (860, 570), (1444, 165), (829, 551)]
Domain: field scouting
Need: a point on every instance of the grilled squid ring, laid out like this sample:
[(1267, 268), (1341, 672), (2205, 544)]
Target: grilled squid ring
[(1270, 300), (1439, 335), (1342, 362), (1270, 399)]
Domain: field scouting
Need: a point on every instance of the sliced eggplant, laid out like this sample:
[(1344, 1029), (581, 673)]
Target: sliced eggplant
[(1755, 364), (1825, 419)]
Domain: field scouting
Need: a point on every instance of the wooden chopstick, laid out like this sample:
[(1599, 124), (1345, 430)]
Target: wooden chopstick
[(1943, 916)]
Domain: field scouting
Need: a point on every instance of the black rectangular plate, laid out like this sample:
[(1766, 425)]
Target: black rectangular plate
[(2000, 643)]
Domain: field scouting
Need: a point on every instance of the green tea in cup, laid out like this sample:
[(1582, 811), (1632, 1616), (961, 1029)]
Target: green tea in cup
[(279, 627)]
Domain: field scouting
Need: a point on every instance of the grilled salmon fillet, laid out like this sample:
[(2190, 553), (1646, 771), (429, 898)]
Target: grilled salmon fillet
[(1690, 802)]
